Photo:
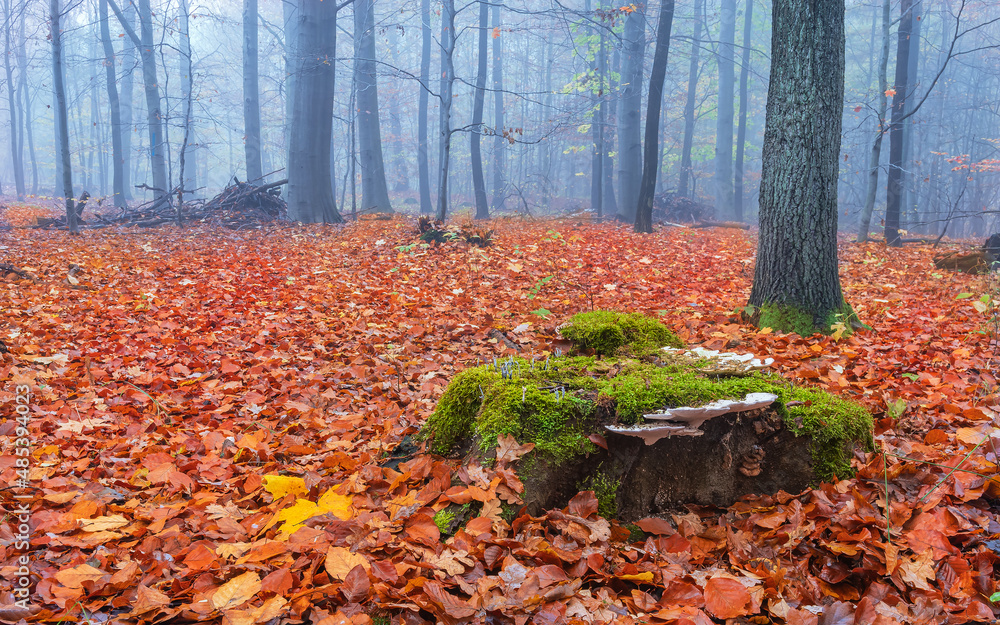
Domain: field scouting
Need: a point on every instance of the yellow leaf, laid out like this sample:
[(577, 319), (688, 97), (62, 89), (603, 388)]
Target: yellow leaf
[(645, 577), (236, 591), (341, 506), (980, 306), (970, 436), (765, 331), (303, 510), (74, 577), (232, 550), (103, 523), (340, 561), (281, 485)]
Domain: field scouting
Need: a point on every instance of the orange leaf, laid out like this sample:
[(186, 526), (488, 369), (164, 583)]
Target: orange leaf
[(726, 598)]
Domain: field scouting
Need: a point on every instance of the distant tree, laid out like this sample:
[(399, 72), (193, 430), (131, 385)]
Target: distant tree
[(724, 111), (310, 188), (499, 180), (374, 189), (16, 112), (251, 94), (876, 151), (894, 178), (423, 166), (685, 186), (630, 116), (62, 123), (447, 89), (651, 149), (741, 130), (475, 137), (796, 287), (117, 159)]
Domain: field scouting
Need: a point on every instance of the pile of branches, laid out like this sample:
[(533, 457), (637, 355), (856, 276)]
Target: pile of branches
[(976, 261), (432, 231), (674, 207), (239, 205)]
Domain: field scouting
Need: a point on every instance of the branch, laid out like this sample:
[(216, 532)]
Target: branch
[(121, 20)]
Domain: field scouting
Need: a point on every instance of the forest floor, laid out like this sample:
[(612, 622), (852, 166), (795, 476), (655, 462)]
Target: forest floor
[(196, 395)]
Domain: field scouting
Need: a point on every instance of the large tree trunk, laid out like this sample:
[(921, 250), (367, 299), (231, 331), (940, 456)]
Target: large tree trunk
[(374, 190), (62, 123), (154, 119), (894, 183), (724, 112), (683, 188), (478, 181), (423, 153), (310, 190), (251, 94), (447, 88), (650, 157), (741, 132), (908, 200), (499, 186), (796, 286), (15, 121), (630, 117), (876, 153), (117, 160)]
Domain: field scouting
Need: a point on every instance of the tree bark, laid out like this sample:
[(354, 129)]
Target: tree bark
[(683, 188), (894, 182), (310, 190), (478, 181), (251, 94), (62, 123), (796, 286), (125, 101), (741, 131), (447, 88), (724, 113), (16, 153), (374, 190), (117, 160), (630, 117), (876, 153), (187, 182), (22, 64), (499, 187), (423, 153), (650, 159)]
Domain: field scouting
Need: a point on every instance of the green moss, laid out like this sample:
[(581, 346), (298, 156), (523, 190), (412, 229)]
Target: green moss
[(788, 318), (443, 519), (607, 332), (554, 405), (606, 491)]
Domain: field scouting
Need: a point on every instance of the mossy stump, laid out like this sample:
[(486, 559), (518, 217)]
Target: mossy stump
[(565, 405)]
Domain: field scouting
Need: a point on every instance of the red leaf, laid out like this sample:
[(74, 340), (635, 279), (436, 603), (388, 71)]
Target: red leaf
[(726, 598), (356, 585), (583, 505)]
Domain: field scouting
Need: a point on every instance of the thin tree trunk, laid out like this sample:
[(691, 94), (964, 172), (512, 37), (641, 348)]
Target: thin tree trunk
[(499, 186), (62, 122), (251, 94), (478, 181), (876, 153), (630, 117), (608, 107), (290, 20), (188, 91), (724, 113), (447, 87), (15, 119), (423, 153), (689, 120), (117, 175), (907, 200), (650, 159), (310, 191), (399, 175), (374, 190), (894, 184), (741, 132), (125, 102)]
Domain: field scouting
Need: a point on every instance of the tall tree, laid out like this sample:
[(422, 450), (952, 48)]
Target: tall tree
[(447, 89), (16, 154), (62, 121), (154, 120), (499, 185), (651, 149), (22, 64), (374, 190), (724, 111), (796, 286), (894, 184), (251, 94), (125, 101), (423, 154), (876, 151), (630, 115), (310, 189), (741, 131), (475, 150), (187, 177), (689, 119), (117, 160)]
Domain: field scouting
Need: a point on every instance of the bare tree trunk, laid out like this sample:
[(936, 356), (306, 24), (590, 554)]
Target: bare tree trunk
[(692, 90), (894, 184), (499, 186), (117, 161), (310, 191), (188, 91), (251, 94), (125, 102), (15, 119), (741, 131), (630, 117), (423, 154), (62, 123), (478, 181), (447, 88), (22, 64), (399, 174), (650, 159), (374, 190), (876, 153), (291, 68), (908, 199), (724, 115)]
